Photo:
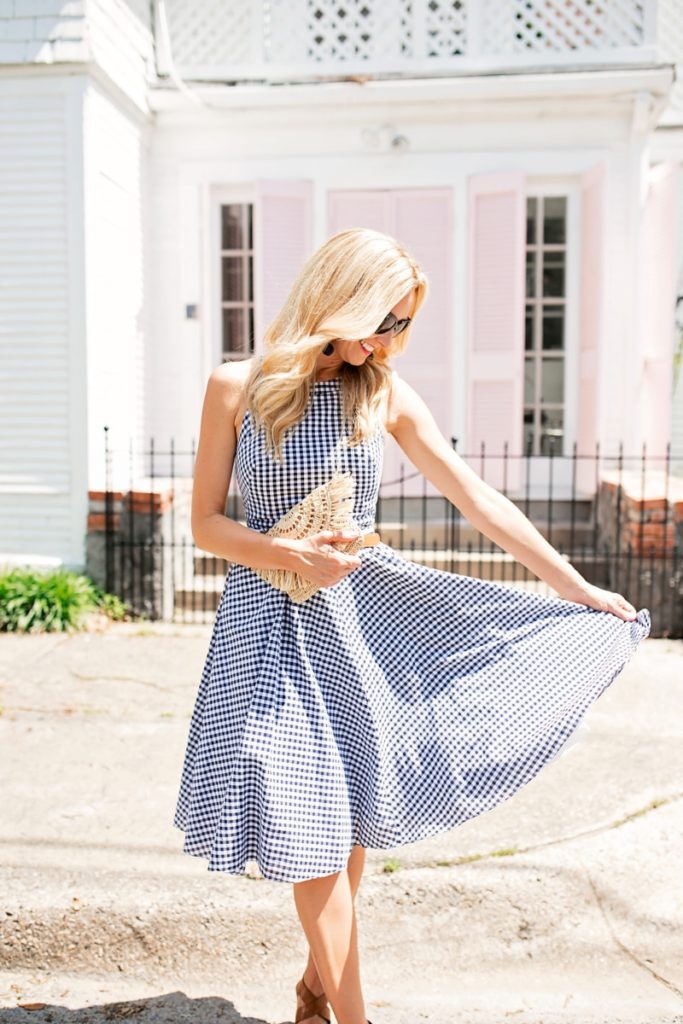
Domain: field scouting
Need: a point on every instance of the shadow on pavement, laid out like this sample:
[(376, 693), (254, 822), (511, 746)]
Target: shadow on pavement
[(171, 1008)]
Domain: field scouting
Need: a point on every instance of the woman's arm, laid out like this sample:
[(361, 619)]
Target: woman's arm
[(416, 431), (315, 557), (212, 530)]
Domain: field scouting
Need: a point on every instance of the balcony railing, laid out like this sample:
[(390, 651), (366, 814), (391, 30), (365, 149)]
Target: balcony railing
[(276, 40)]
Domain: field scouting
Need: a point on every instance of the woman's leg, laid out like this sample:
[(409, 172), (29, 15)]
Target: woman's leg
[(355, 865), (327, 913)]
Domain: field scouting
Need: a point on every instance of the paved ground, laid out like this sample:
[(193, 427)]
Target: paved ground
[(562, 906)]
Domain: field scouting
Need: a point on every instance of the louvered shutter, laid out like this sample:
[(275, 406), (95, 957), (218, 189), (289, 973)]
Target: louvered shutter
[(658, 305), (496, 288), (591, 312), (283, 240)]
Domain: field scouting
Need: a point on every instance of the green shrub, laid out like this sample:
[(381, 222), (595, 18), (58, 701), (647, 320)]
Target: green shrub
[(33, 601)]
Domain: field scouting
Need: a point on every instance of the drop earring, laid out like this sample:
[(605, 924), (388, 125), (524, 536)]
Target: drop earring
[(329, 349)]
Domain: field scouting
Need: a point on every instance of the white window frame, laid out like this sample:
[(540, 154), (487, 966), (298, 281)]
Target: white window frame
[(570, 189), (538, 302), (221, 195)]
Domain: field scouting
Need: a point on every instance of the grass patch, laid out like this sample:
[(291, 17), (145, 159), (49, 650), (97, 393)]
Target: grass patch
[(35, 601), (466, 858), (657, 802)]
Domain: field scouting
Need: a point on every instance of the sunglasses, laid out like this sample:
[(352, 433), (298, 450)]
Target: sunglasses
[(393, 324)]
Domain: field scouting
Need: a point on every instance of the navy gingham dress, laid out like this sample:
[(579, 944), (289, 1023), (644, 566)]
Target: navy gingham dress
[(387, 708)]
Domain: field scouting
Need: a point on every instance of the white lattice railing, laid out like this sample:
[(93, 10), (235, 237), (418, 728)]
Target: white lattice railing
[(231, 40), (670, 36)]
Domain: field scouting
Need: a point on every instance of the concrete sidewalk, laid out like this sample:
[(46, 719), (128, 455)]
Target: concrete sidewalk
[(564, 904)]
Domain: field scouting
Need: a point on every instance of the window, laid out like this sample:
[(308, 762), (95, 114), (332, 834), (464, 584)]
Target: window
[(545, 323), (237, 280)]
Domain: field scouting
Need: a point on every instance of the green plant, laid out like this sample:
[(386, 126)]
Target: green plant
[(33, 601), (109, 604), (390, 865)]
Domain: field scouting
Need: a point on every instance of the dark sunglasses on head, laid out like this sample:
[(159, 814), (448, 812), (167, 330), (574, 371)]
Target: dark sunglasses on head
[(393, 324)]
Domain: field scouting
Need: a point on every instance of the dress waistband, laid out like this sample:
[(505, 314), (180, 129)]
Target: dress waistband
[(370, 538)]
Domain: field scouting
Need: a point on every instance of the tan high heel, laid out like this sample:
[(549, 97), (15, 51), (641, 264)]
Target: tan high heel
[(312, 1005)]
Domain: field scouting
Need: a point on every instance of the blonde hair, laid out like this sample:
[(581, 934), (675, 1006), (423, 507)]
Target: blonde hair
[(343, 291)]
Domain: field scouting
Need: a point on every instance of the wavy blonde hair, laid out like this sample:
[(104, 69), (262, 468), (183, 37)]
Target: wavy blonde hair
[(343, 291)]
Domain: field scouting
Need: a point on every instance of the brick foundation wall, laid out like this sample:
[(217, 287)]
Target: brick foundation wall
[(642, 524)]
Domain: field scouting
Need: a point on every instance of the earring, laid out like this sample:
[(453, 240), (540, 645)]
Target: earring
[(329, 349)]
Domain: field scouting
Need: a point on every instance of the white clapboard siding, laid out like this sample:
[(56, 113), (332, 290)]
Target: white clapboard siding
[(116, 280), (117, 36), (422, 221), (122, 44), (38, 494)]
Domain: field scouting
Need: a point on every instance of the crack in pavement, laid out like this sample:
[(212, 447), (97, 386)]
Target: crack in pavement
[(624, 948), (120, 679), (511, 851)]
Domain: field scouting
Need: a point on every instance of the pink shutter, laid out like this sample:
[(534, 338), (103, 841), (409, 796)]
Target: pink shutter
[(495, 371), (422, 221), (592, 257), (658, 305), (283, 240)]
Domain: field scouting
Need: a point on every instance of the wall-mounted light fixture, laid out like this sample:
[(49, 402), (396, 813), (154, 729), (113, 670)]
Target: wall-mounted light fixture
[(387, 137)]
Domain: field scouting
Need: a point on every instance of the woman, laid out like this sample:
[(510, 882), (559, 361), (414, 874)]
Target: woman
[(398, 700)]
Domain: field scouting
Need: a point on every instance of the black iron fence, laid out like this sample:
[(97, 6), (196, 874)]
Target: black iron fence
[(622, 530)]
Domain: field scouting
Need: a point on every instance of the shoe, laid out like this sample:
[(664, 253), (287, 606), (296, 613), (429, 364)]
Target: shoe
[(312, 1005)]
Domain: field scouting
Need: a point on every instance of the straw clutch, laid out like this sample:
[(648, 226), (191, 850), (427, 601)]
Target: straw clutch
[(328, 507)]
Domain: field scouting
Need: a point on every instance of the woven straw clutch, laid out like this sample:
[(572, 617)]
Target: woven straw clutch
[(328, 507)]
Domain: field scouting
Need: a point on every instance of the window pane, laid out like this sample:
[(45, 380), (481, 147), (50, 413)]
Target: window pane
[(529, 329), (554, 220), (553, 274), (552, 380), (250, 225), (233, 279), (529, 380), (528, 431), (553, 327), (234, 333), (552, 431), (531, 274), (232, 234), (531, 214)]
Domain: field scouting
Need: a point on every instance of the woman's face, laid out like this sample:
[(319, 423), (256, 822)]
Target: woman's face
[(356, 352)]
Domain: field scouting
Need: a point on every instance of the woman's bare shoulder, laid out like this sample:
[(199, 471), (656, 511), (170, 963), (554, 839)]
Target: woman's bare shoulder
[(232, 375), (228, 384)]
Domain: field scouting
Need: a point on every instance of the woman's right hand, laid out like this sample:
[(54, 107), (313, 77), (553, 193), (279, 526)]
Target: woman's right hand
[(320, 562)]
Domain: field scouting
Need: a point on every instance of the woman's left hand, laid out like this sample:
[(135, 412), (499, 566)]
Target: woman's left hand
[(602, 600)]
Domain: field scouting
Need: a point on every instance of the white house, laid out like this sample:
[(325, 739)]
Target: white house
[(167, 167)]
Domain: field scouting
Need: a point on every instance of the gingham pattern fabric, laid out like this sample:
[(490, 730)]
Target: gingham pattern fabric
[(389, 707)]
